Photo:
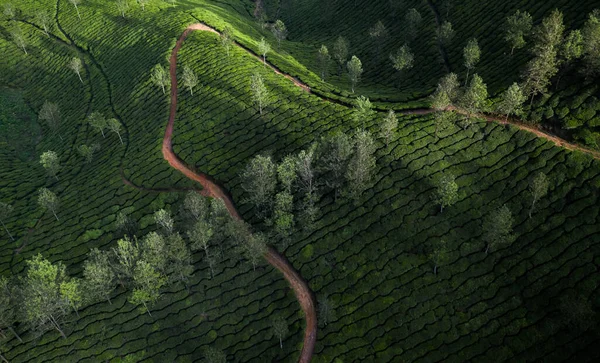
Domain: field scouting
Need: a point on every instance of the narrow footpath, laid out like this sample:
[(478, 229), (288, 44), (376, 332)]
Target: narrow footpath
[(212, 189)]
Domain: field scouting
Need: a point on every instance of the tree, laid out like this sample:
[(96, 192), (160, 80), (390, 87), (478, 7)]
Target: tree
[(125, 256), (5, 211), (497, 228), (517, 27), (280, 328), (75, 3), (124, 224), (548, 37), (48, 200), (99, 277), (51, 114), (378, 33), (97, 121), (42, 303), (214, 355), (87, 152), (446, 193), (412, 23), (363, 110), (279, 31), (440, 103), (283, 218), (439, 255), (259, 179), (143, 4), (355, 70), (76, 66), (572, 47), (340, 52), (10, 11), (445, 33), (164, 219), (475, 96), (323, 58), (122, 6), (19, 38), (260, 95), (388, 126), (403, 59), (511, 102), (333, 155), (361, 167), (254, 248), (51, 163), (70, 291), (8, 307), (153, 250), (115, 126), (190, 79), (148, 282), (326, 312), (549, 34), (227, 39), (196, 205), (264, 48), (305, 170), (179, 265), (538, 187), (471, 54), (286, 173), (591, 45), (160, 77), (200, 236), (449, 85), (45, 19)]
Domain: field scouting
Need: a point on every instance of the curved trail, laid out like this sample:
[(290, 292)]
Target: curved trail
[(213, 189)]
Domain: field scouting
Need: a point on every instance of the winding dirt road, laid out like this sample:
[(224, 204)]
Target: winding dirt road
[(212, 189)]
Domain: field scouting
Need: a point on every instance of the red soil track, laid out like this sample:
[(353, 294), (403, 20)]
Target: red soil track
[(212, 189)]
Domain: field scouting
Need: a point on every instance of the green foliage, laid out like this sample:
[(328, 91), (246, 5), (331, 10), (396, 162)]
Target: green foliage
[(355, 70), (497, 228), (51, 163), (518, 27), (446, 193)]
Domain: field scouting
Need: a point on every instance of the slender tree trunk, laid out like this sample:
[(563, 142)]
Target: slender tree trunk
[(280, 343), (4, 359), (148, 310), (265, 59), (6, 229), (118, 133), (442, 208), (46, 31), (532, 207), (108, 298), (79, 75), (25, 50), (102, 131), (57, 327), (15, 333), (76, 312), (487, 249), (78, 15), (163, 88), (55, 216), (435, 270), (467, 80), (191, 91)]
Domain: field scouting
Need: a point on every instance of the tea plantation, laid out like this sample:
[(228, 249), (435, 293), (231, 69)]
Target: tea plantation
[(535, 299)]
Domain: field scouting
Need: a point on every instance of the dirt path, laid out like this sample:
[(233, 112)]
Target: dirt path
[(212, 189)]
